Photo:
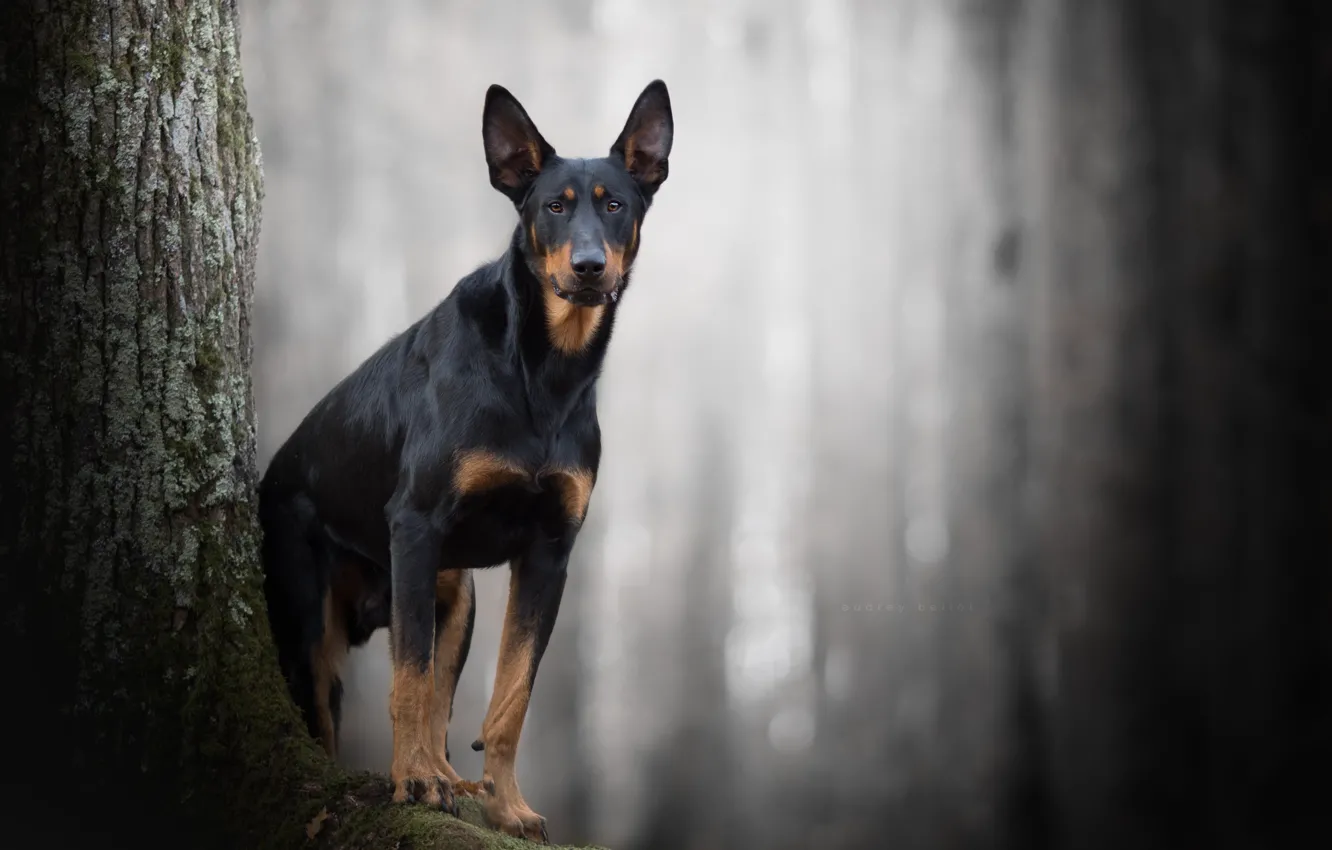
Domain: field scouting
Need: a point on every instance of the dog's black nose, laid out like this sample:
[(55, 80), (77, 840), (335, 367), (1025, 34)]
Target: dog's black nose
[(589, 265)]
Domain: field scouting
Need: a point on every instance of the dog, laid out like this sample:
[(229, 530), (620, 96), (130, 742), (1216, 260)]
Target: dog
[(468, 441)]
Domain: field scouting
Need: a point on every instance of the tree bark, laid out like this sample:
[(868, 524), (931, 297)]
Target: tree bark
[(130, 192)]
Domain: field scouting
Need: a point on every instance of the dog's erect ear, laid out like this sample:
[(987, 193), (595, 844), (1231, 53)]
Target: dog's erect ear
[(515, 151), (645, 142)]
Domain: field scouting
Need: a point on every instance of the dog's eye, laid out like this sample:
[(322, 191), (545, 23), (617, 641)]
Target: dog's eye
[(555, 207), (613, 206)]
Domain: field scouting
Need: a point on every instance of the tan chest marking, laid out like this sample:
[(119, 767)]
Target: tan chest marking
[(575, 486), (479, 470), (569, 326)]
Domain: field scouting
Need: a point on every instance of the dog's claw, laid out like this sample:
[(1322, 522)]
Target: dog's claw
[(431, 791)]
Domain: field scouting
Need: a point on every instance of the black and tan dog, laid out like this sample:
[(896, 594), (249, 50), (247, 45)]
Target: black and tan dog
[(469, 440)]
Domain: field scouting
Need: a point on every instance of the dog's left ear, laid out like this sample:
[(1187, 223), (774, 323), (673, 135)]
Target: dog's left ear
[(515, 151), (645, 143)]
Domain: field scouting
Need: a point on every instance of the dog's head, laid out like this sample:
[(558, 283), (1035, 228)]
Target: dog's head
[(581, 218)]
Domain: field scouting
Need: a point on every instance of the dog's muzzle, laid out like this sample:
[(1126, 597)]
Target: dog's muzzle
[(588, 296)]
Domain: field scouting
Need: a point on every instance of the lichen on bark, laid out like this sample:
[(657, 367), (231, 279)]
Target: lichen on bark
[(128, 265)]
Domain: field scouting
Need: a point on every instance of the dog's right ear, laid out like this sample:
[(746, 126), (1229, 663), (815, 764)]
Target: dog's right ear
[(515, 151)]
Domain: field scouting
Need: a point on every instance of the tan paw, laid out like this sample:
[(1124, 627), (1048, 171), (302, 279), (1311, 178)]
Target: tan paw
[(434, 791), (513, 817)]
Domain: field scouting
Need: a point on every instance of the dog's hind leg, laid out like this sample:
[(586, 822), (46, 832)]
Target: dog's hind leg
[(326, 658), (355, 605), (295, 589)]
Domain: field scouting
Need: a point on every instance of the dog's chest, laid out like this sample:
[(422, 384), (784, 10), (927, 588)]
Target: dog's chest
[(503, 504)]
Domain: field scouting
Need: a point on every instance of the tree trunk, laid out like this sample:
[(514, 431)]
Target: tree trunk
[(130, 189)]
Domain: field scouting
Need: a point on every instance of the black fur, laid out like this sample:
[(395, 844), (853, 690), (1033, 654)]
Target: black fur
[(366, 482)]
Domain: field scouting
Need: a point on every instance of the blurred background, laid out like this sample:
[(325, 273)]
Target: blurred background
[(899, 416)]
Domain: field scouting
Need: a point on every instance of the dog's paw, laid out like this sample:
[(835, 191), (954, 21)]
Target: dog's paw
[(433, 791), (513, 817)]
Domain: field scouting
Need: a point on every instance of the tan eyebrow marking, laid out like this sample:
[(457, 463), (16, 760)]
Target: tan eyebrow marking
[(568, 193)]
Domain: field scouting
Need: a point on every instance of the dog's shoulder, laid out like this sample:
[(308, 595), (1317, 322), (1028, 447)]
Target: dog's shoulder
[(483, 302)]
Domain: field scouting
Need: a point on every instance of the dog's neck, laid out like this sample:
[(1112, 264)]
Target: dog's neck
[(561, 346)]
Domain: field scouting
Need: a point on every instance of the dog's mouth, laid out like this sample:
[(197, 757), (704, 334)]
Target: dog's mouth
[(588, 296)]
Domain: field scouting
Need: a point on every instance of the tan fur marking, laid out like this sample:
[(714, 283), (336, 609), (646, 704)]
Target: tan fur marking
[(598, 192), (575, 491), (410, 698), (570, 327), (449, 584), (326, 663), (478, 469), (615, 263), (503, 725), (453, 588), (535, 153), (569, 193), (558, 265), (508, 703)]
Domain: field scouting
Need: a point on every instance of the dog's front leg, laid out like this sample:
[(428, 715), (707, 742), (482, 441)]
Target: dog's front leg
[(415, 549), (536, 583), (455, 613)]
